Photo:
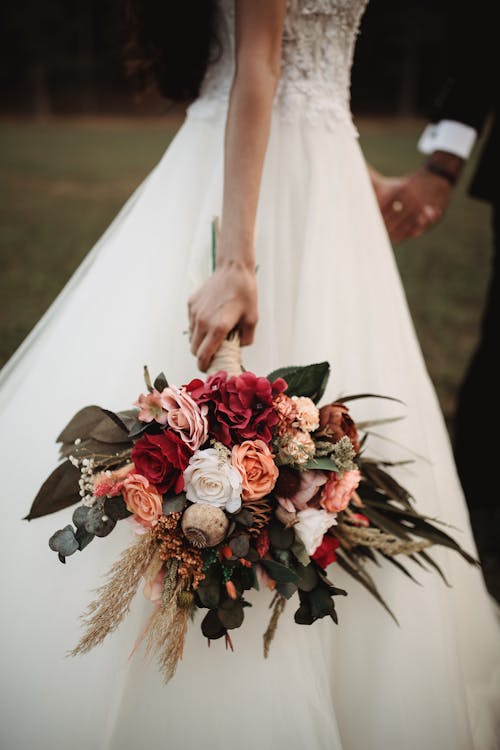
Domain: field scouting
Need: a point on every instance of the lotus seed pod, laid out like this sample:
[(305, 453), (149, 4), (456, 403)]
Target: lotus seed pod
[(204, 525)]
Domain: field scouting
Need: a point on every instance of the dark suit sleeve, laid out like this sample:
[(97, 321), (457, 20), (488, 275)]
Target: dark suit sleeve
[(471, 89)]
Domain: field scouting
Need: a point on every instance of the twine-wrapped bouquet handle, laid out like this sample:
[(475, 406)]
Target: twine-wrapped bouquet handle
[(228, 356)]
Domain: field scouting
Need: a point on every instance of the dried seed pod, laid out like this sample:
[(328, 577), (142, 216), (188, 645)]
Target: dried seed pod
[(204, 525)]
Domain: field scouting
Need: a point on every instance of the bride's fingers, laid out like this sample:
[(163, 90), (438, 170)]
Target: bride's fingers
[(209, 346), (247, 332), (198, 332)]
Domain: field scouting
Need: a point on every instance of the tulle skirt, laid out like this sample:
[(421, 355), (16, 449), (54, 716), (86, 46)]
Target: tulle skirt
[(328, 290)]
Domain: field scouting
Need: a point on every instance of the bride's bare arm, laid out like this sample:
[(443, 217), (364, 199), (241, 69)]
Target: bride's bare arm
[(229, 297)]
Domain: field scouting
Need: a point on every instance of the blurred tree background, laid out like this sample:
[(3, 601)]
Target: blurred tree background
[(66, 57), (76, 139)]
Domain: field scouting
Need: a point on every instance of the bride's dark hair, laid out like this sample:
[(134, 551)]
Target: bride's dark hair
[(170, 44)]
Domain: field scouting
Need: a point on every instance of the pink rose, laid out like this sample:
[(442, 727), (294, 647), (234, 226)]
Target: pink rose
[(142, 499), (310, 482), (339, 490), (254, 461), (185, 417)]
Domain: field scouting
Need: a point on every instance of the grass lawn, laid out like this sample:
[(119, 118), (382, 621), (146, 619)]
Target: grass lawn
[(63, 181)]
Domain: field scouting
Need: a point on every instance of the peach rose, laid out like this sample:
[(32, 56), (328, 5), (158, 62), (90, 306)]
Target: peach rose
[(338, 491), (142, 499), (254, 461)]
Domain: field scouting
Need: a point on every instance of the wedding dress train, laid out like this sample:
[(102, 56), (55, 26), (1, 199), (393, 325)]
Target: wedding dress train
[(328, 289)]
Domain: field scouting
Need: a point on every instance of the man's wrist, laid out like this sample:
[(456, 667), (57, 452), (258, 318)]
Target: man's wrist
[(445, 165)]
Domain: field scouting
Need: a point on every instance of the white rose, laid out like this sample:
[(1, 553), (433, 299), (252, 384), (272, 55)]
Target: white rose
[(210, 478), (312, 526)]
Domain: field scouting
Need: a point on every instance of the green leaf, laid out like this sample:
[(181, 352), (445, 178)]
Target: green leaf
[(161, 382), (300, 551), (321, 603), (174, 504), (323, 464), (211, 626), (303, 615), (286, 589), (97, 423), (399, 565), (308, 578), (345, 399), (115, 508), (59, 491), (279, 536), (231, 613), (362, 576), (279, 573), (308, 380), (209, 590)]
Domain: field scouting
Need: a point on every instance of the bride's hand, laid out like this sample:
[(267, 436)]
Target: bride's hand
[(227, 300)]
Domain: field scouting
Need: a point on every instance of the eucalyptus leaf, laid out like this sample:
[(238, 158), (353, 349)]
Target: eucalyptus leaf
[(211, 626), (98, 522), (59, 491), (175, 504), (286, 589), (279, 573), (83, 538), (281, 537), (240, 545), (324, 463), (116, 508), (308, 380), (231, 613), (64, 541)]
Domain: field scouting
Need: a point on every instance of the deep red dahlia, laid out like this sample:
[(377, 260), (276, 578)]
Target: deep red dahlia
[(239, 408), (162, 459), (325, 554)]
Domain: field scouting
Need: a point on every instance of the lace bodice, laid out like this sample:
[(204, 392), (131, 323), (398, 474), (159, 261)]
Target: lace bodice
[(317, 52)]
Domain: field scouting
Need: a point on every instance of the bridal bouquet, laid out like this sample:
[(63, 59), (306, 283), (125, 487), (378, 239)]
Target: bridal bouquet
[(231, 483)]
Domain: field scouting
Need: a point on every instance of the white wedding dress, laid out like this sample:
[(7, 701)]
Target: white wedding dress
[(328, 289)]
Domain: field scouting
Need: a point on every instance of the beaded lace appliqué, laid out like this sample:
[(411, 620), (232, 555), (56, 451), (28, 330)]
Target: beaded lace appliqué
[(317, 52)]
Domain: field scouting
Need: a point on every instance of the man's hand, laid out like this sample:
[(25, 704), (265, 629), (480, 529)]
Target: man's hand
[(411, 204)]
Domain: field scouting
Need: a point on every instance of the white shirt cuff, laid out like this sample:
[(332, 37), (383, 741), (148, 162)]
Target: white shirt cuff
[(448, 135)]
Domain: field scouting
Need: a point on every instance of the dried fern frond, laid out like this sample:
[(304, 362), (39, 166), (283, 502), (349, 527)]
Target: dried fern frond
[(166, 633), (111, 605), (374, 538), (278, 606)]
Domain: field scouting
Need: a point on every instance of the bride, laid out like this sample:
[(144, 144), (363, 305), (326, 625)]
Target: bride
[(268, 145)]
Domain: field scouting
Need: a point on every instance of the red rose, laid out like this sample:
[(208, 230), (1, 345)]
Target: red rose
[(162, 459), (239, 408), (325, 554), (335, 422)]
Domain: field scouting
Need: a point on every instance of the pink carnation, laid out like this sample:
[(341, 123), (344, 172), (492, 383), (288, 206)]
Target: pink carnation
[(307, 413), (339, 490), (286, 410), (110, 483)]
